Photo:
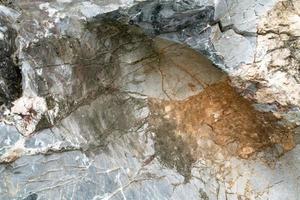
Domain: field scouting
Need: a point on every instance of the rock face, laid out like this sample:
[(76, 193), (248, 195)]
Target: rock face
[(149, 99), (10, 74)]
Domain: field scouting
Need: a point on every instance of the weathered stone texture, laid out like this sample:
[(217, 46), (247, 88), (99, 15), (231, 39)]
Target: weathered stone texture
[(158, 99)]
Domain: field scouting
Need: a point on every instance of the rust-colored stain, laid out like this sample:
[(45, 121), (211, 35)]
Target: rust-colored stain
[(221, 114)]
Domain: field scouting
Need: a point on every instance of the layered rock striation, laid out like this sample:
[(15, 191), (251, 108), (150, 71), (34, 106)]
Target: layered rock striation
[(149, 99)]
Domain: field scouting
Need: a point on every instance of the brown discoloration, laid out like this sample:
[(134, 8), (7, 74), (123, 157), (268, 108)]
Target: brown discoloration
[(216, 123), (11, 156), (149, 160), (222, 115), (192, 87)]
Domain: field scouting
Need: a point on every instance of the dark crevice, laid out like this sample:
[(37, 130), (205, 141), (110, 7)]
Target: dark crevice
[(234, 28), (10, 73)]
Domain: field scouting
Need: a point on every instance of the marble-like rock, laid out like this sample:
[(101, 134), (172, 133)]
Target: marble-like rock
[(157, 99)]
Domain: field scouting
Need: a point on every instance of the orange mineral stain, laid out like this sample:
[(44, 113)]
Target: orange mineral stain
[(221, 114)]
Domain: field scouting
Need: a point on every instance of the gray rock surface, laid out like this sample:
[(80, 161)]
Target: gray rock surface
[(142, 99)]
